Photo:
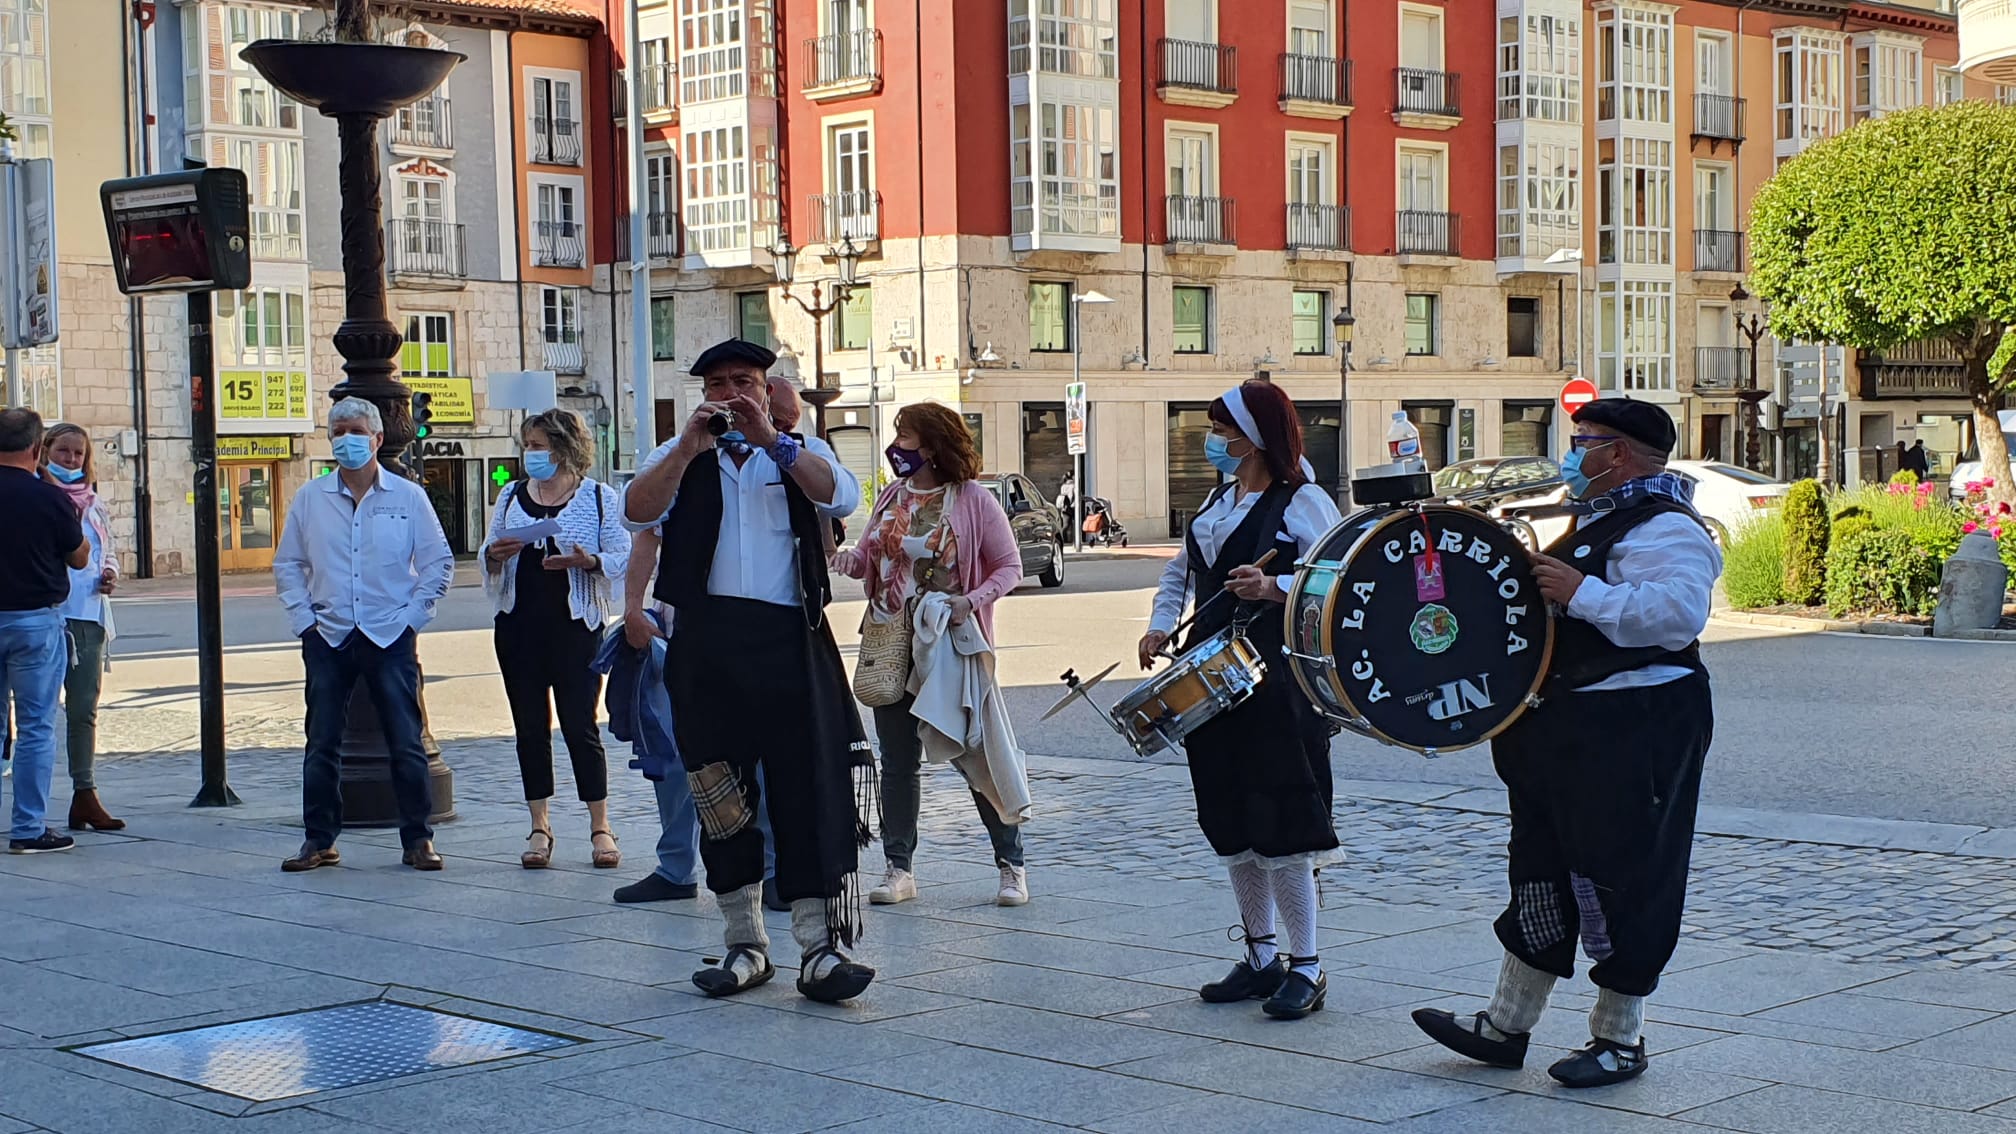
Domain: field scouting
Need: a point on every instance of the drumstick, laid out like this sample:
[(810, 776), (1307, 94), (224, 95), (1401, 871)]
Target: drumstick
[(1178, 632)]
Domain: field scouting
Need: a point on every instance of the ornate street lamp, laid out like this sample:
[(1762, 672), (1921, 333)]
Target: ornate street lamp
[(1752, 328), (1341, 325), (359, 82), (848, 260)]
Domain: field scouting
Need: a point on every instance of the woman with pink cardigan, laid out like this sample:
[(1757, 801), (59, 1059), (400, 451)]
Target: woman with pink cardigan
[(934, 529)]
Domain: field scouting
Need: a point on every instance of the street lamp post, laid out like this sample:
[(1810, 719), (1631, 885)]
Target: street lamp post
[(1341, 324), (1752, 328), (848, 259), (1078, 459)]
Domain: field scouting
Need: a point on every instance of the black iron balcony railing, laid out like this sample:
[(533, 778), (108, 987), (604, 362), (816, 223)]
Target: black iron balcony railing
[(430, 249), (1425, 233), (556, 141), (558, 244), (1199, 220), (1416, 91), (1721, 367), (1923, 368), (843, 58), (1316, 78), (846, 216), (1200, 66), (1718, 250), (1718, 116), (1321, 227), (426, 125), (661, 237)]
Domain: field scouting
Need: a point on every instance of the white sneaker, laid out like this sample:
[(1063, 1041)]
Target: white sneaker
[(1014, 887), (899, 885)]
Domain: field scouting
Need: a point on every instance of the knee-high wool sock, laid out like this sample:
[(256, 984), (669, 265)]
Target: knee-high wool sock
[(1295, 899), (1617, 1017), (1255, 896), (1521, 997), (742, 910)]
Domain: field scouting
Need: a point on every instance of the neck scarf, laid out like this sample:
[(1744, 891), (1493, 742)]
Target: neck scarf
[(85, 499), (1665, 485)]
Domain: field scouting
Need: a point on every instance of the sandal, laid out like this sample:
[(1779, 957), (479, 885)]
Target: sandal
[(605, 859), (537, 860)]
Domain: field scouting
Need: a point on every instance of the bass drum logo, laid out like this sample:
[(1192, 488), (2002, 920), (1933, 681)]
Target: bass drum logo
[(1434, 629)]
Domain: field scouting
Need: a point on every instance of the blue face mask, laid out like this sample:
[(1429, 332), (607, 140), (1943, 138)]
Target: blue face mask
[(539, 464), (352, 450), (1579, 482), (1218, 451), (67, 476)]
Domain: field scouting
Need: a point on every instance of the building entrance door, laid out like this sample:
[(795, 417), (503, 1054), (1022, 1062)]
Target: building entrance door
[(248, 514), (447, 490)]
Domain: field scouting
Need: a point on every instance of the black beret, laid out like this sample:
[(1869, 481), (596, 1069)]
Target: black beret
[(1640, 421), (734, 350)]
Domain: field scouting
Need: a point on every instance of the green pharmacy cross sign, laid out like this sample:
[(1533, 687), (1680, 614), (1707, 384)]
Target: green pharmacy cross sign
[(500, 475)]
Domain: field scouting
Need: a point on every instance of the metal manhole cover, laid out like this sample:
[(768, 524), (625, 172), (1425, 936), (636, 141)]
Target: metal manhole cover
[(279, 1057)]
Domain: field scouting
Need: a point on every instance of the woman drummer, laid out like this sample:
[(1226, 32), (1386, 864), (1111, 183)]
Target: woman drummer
[(1261, 771)]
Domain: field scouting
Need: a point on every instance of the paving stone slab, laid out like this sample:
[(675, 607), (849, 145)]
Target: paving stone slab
[(1351, 1089), (1786, 1109), (1960, 989), (1988, 1044), (1765, 980), (1231, 1113), (1531, 1114), (795, 1040), (168, 970), (747, 1096), (1905, 1019), (944, 1118), (575, 996), (1661, 1091), (1884, 1076), (1427, 950), (1329, 1033), (1056, 1036), (491, 1102), (615, 960), (1080, 994), (1032, 1088)]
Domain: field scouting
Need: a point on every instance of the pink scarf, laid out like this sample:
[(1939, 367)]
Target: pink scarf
[(85, 499)]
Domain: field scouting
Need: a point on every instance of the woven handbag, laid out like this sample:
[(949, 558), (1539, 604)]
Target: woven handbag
[(882, 667)]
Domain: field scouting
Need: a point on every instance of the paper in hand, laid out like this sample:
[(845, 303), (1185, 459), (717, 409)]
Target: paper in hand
[(532, 532)]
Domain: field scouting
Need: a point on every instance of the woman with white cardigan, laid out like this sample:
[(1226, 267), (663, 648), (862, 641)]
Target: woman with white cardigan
[(551, 607)]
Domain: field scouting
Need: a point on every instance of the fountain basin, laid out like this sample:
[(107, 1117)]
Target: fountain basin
[(351, 78)]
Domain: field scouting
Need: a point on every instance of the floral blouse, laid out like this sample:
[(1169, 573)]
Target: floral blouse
[(906, 569)]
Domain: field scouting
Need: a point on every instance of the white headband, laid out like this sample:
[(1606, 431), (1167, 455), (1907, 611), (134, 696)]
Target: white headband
[(1235, 404)]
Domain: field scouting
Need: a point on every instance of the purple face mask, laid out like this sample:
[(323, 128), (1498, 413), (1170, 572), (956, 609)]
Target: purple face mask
[(903, 462)]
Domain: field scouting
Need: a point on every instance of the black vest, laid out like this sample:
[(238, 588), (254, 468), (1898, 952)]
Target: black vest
[(1247, 543), (1582, 654), (693, 529)]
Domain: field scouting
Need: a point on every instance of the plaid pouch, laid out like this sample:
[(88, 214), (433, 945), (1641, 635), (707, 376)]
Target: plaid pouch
[(718, 797)]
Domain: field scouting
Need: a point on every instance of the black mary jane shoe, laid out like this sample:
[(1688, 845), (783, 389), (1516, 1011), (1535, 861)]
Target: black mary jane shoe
[(1298, 995), (844, 981), (1245, 982), (1600, 1064), (723, 981), (1467, 1038)]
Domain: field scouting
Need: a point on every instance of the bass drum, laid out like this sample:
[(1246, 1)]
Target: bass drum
[(1419, 625)]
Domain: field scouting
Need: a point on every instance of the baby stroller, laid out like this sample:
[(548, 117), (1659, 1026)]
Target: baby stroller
[(1100, 525)]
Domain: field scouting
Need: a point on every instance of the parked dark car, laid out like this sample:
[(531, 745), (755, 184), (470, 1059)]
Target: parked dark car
[(1039, 526), (1484, 481)]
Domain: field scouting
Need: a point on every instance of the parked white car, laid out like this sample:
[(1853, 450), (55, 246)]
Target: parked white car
[(1970, 469), (1725, 495)]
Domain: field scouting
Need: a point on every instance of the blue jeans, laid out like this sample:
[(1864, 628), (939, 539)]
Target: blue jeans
[(34, 656), (679, 832), (391, 674)]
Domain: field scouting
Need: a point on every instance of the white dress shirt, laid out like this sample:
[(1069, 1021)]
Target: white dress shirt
[(378, 564), (1310, 515), (1658, 584), (753, 558)]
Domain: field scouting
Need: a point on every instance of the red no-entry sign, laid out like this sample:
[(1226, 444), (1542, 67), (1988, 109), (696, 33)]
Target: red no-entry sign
[(1576, 393)]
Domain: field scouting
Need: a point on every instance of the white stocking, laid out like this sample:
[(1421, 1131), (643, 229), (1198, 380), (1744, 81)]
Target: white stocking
[(1255, 896), (1295, 898)]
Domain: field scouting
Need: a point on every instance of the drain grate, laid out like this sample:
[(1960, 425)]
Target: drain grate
[(280, 1057)]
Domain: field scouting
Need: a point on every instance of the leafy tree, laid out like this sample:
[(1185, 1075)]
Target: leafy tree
[(1805, 544), (1902, 229)]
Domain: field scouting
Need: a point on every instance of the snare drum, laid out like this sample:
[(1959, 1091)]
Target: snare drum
[(1419, 625), (1213, 677)]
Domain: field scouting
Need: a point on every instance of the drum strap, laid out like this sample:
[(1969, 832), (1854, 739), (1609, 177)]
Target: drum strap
[(1250, 540), (1582, 654)]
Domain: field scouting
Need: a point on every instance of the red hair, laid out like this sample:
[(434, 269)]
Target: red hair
[(1280, 428)]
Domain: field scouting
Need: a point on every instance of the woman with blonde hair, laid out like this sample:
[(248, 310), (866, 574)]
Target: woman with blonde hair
[(551, 606), (69, 464), (934, 530)]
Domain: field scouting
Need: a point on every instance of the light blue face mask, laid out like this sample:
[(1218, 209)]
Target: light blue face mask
[(67, 476), (539, 464), (1218, 451), (352, 450), (1579, 482)]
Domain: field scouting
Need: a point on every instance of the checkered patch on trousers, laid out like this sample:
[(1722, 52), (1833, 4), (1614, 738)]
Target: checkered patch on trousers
[(718, 797), (1540, 921)]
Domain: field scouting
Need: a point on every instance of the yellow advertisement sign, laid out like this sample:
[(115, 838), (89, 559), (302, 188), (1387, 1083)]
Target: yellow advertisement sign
[(247, 447), (454, 398), (275, 395)]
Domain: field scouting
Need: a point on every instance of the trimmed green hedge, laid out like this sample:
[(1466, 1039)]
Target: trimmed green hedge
[(1805, 544), (1881, 570)]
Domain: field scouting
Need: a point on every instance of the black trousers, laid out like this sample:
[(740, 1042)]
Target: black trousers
[(1603, 789), (545, 662)]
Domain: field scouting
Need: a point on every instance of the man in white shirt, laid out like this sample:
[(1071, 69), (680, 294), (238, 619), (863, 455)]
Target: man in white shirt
[(360, 567), (755, 680), (1603, 777)]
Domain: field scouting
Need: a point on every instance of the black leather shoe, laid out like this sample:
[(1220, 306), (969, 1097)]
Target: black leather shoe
[(771, 900), (421, 856), (1466, 1038), (655, 888), (1298, 996), (724, 981), (1600, 1064), (311, 857), (843, 981), (1245, 982)]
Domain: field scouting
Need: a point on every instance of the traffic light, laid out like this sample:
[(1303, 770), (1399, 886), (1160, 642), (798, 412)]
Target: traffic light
[(423, 414)]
